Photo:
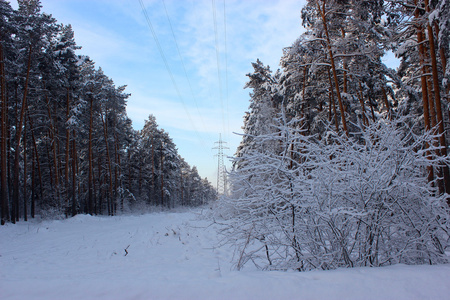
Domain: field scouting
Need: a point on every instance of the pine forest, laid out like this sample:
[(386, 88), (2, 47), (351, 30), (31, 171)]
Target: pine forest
[(67, 144), (343, 159)]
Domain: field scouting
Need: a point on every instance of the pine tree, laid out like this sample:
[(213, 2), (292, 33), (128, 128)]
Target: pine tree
[(309, 191), (6, 15)]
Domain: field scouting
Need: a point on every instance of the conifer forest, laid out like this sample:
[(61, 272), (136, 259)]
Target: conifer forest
[(67, 144), (344, 160)]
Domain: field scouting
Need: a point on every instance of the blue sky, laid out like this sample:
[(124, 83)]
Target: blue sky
[(115, 34), (210, 98)]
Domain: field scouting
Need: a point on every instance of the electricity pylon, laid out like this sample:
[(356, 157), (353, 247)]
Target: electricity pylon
[(221, 172)]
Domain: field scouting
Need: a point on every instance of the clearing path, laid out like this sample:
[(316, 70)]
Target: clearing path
[(175, 255)]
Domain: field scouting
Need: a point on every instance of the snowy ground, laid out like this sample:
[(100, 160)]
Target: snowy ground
[(175, 256)]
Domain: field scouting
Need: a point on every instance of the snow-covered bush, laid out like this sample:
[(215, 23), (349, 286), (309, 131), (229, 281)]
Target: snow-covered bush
[(363, 200)]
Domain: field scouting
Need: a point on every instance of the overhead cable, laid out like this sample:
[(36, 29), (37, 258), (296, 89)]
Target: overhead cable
[(218, 62), (161, 52), (226, 64), (184, 67)]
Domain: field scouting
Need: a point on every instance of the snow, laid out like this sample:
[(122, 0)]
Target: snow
[(434, 16), (402, 49), (175, 255)]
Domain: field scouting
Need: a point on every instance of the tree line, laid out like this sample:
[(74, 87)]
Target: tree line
[(344, 161), (67, 145)]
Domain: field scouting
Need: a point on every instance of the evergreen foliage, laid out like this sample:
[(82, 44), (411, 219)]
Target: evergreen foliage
[(67, 144)]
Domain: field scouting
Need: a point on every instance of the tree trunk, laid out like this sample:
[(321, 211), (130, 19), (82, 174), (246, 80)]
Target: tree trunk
[(333, 66), (181, 187), (67, 150), (3, 141), (117, 173), (37, 157), (437, 98), (153, 169), (90, 203), (140, 180), (74, 177), (33, 186), (53, 137), (432, 113), (50, 170), (129, 170), (344, 65), (426, 113), (108, 161), (14, 211), (444, 67), (116, 164), (100, 185), (162, 177), (25, 175)]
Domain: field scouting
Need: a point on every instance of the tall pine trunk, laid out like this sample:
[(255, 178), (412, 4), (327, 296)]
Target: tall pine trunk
[(425, 100), (25, 175), (36, 153), (3, 140), (53, 137), (74, 175), (14, 211), (33, 186), (153, 169), (437, 99), (333, 65), (108, 162), (67, 150), (90, 204), (162, 176), (116, 163)]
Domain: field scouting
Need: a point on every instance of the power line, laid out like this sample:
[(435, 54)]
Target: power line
[(161, 52), (184, 67), (218, 61), (226, 63)]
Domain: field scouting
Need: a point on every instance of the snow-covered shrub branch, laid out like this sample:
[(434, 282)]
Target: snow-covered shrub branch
[(304, 203)]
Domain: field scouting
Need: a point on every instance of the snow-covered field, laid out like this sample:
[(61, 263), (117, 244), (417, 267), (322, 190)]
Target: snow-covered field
[(175, 255)]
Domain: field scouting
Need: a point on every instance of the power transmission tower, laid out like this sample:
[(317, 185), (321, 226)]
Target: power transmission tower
[(221, 172)]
